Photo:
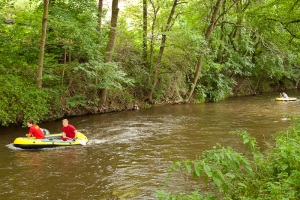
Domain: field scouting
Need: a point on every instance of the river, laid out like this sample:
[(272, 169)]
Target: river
[(129, 153)]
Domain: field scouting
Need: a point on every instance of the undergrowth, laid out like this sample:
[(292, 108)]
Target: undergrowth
[(228, 174)]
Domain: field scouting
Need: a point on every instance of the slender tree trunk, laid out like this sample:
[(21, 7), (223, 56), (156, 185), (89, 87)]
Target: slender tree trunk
[(110, 44), (145, 21), (100, 13), (112, 34), (99, 25), (42, 46), (161, 50), (70, 52), (155, 11), (213, 21), (208, 33)]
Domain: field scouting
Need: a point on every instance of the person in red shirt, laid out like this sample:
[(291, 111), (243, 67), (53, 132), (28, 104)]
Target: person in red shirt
[(34, 130), (68, 131)]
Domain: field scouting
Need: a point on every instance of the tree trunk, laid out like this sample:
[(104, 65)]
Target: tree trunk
[(145, 20), (208, 33), (110, 44), (155, 11), (161, 51), (100, 13), (99, 25), (42, 46)]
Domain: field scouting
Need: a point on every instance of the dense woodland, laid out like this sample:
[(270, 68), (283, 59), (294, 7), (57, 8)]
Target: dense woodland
[(63, 58)]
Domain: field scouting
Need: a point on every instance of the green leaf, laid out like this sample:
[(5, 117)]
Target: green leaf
[(207, 170), (197, 169), (217, 181), (188, 167), (242, 185), (230, 175), (284, 166)]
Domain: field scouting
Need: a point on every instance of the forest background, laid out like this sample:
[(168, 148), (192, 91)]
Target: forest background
[(62, 58)]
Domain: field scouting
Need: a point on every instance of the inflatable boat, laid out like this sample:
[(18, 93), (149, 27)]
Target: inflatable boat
[(286, 99), (51, 140)]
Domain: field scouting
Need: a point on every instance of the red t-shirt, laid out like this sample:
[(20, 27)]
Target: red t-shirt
[(69, 130), (36, 132)]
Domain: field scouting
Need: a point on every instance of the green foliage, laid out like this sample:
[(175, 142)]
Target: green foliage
[(231, 175), (20, 101), (74, 30), (214, 86), (109, 75), (254, 47), (277, 40)]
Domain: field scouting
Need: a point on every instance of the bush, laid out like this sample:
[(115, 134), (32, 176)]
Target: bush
[(20, 101), (228, 174)]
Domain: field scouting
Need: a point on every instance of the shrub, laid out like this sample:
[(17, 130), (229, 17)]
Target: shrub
[(20, 101), (228, 174)]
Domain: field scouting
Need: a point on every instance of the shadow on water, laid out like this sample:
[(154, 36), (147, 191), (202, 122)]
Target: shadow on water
[(129, 153)]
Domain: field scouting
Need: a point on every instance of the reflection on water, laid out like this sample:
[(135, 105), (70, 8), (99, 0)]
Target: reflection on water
[(129, 153)]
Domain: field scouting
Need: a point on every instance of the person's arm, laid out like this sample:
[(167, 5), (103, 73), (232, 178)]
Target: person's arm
[(29, 134), (63, 132)]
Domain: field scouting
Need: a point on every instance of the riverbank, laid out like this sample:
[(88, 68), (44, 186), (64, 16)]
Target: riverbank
[(229, 174), (113, 105)]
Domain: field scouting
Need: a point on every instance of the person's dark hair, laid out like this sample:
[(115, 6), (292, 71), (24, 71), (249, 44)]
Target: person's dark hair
[(30, 121)]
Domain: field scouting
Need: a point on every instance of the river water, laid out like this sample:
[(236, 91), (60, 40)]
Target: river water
[(129, 153)]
